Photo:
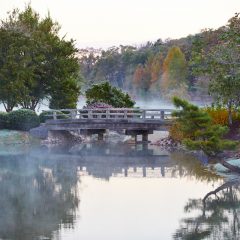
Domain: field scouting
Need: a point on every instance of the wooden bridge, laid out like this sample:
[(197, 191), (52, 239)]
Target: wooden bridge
[(131, 121)]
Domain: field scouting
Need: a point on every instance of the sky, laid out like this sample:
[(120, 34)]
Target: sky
[(104, 23)]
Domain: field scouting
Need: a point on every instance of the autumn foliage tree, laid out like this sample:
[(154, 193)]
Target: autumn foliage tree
[(148, 74), (174, 69)]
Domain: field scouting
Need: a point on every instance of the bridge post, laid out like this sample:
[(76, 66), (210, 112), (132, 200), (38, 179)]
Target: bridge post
[(107, 114), (54, 115), (72, 114), (125, 114), (90, 116), (162, 115)]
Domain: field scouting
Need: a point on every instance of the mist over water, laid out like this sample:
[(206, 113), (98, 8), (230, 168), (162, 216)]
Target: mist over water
[(141, 103), (111, 190), (98, 191)]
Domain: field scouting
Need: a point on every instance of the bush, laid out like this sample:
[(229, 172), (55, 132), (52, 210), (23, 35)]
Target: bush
[(3, 120), (175, 132), (23, 119), (44, 115), (219, 115)]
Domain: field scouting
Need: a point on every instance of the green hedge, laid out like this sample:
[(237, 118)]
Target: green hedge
[(23, 119), (3, 120)]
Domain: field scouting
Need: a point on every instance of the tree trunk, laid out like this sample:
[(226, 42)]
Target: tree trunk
[(230, 121), (222, 187), (8, 107)]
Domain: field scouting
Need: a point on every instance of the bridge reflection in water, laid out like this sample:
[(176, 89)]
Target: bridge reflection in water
[(121, 160), (39, 191)]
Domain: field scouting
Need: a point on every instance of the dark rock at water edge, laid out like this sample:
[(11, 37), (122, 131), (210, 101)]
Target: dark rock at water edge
[(167, 143), (40, 132)]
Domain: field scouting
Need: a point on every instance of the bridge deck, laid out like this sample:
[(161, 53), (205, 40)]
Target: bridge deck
[(112, 119)]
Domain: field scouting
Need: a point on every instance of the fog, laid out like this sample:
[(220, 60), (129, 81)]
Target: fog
[(90, 190), (141, 103)]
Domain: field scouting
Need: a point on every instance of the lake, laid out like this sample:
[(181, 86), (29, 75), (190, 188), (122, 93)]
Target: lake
[(115, 191)]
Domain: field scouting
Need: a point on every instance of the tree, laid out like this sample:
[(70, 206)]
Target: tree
[(217, 57), (34, 60), (11, 67), (65, 95), (106, 93), (198, 130), (224, 67), (147, 75), (174, 69), (141, 79), (214, 217)]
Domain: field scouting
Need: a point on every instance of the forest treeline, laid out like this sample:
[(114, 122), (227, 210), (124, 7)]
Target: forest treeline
[(157, 69), (37, 64)]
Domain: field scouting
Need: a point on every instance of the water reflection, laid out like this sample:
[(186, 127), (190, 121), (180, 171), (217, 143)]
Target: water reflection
[(217, 217), (40, 190), (35, 199)]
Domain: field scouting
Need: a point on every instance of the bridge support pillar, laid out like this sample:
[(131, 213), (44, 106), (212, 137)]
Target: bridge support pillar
[(144, 134), (100, 136), (145, 137), (90, 132)]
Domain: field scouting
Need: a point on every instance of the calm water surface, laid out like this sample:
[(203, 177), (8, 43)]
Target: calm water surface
[(102, 191)]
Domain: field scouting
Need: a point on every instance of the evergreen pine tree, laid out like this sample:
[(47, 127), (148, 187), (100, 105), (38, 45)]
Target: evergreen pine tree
[(198, 130)]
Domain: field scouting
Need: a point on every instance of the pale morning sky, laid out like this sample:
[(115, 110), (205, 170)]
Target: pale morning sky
[(103, 23)]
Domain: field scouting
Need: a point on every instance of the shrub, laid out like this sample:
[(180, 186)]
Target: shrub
[(175, 132), (23, 119), (219, 115), (3, 120), (44, 115)]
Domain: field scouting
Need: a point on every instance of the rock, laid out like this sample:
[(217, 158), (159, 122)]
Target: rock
[(220, 168), (115, 137), (167, 143), (40, 132), (62, 137)]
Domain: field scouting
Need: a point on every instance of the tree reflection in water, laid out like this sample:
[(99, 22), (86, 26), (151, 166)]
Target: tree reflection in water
[(35, 200), (39, 191), (218, 215), (188, 165)]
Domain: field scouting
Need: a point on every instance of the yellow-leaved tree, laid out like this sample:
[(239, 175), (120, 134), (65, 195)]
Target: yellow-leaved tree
[(174, 78)]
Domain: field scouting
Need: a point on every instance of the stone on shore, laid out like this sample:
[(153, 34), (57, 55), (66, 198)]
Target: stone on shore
[(40, 132), (167, 143)]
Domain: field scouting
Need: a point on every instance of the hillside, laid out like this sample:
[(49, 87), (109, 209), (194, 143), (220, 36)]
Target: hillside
[(157, 69)]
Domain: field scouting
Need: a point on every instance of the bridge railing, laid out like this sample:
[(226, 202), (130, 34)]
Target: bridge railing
[(111, 113)]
